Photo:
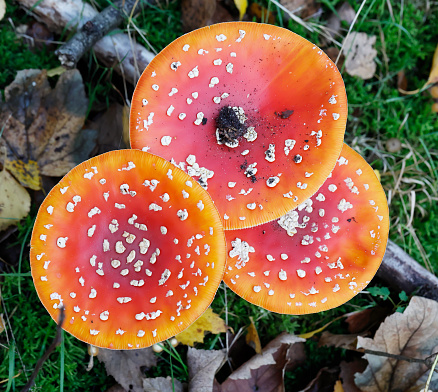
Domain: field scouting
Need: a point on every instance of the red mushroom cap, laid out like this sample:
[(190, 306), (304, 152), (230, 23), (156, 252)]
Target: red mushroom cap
[(254, 112), (131, 246), (319, 255)]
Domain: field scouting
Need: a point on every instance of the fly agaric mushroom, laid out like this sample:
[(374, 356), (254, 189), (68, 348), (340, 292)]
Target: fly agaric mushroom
[(319, 255), (131, 246), (254, 112)]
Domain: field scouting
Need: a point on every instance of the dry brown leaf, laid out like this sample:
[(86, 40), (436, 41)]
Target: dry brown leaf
[(365, 319), (208, 322), (110, 127), (203, 365), (329, 339), (252, 337), (14, 201), (125, 366), (301, 8), (265, 371), (42, 126), (261, 13), (196, 13), (413, 334), (348, 369), (324, 381), (359, 55), (161, 384)]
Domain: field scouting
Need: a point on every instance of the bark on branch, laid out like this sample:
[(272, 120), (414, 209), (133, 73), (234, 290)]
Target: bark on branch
[(402, 272), (93, 30), (118, 51)]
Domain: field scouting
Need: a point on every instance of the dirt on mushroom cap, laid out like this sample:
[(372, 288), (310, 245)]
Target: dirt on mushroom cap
[(319, 255), (131, 246), (290, 100)]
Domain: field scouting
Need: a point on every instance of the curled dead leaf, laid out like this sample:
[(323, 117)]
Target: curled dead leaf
[(411, 334)]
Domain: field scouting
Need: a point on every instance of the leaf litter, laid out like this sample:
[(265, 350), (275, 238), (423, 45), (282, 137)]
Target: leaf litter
[(42, 126), (412, 334)]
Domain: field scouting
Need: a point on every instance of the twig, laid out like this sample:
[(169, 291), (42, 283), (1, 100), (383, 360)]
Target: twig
[(427, 361), (49, 351), (92, 31), (69, 15)]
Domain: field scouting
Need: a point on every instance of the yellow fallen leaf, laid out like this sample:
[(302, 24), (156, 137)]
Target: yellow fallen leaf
[(208, 322), (310, 334), (433, 76), (377, 173), (2, 323), (56, 71), (338, 387), (14, 201), (241, 6), (28, 174), (252, 337)]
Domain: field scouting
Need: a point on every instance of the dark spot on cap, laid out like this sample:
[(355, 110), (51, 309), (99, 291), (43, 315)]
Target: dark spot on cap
[(284, 114), (229, 128)]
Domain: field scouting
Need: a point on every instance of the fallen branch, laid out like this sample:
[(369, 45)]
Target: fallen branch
[(402, 272), (93, 30), (118, 51), (55, 343)]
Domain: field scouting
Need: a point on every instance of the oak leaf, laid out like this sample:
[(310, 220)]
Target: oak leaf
[(208, 322), (412, 334), (42, 126)]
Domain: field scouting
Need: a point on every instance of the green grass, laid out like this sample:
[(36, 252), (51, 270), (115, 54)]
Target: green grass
[(406, 40)]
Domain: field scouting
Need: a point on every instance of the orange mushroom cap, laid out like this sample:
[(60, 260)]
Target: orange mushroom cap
[(131, 246), (319, 255), (254, 112)]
